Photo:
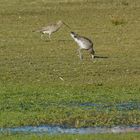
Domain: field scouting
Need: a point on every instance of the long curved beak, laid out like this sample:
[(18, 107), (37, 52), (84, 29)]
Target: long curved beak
[(66, 25)]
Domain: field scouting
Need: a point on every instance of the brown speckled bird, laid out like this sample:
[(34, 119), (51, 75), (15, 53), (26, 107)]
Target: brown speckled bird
[(52, 28)]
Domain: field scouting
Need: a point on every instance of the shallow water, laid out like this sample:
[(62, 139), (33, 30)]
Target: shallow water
[(119, 106), (46, 129)]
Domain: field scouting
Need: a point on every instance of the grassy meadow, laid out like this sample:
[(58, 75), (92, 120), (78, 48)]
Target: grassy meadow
[(131, 136), (45, 82)]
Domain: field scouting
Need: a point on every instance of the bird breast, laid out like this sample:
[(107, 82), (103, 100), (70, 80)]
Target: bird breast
[(47, 32), (82, 44)]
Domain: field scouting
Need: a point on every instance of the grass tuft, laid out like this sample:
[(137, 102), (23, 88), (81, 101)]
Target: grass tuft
[(117, 20)]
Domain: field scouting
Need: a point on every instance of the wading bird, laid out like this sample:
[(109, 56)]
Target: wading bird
[(51, 28), (84, 44)]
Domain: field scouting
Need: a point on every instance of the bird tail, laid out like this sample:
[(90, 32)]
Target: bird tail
[(36, 31)]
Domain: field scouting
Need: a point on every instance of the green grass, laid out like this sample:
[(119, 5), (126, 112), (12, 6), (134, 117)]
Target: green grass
[(60, 105), (130, 136), (31, 89)]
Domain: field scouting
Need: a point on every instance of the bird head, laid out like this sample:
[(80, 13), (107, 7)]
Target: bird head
[(73, 35), (60, 22)]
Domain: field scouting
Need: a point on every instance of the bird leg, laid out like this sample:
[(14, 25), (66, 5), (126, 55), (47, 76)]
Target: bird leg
[(92, 52), (80, 54), (50, 36), (92, 56), (42, 36)]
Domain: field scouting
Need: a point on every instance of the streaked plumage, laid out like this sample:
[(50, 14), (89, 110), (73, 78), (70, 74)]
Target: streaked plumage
[(84, 44), (51, 28)]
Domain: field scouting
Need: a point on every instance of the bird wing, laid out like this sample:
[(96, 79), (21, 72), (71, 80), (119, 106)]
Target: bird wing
[(48, 27), (44, 28), (87, 41)]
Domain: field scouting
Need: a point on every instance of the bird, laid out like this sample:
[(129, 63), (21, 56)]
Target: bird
[(51, 28), (84, 44)]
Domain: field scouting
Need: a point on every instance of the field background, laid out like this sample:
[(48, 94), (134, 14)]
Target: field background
[(32, 91)]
